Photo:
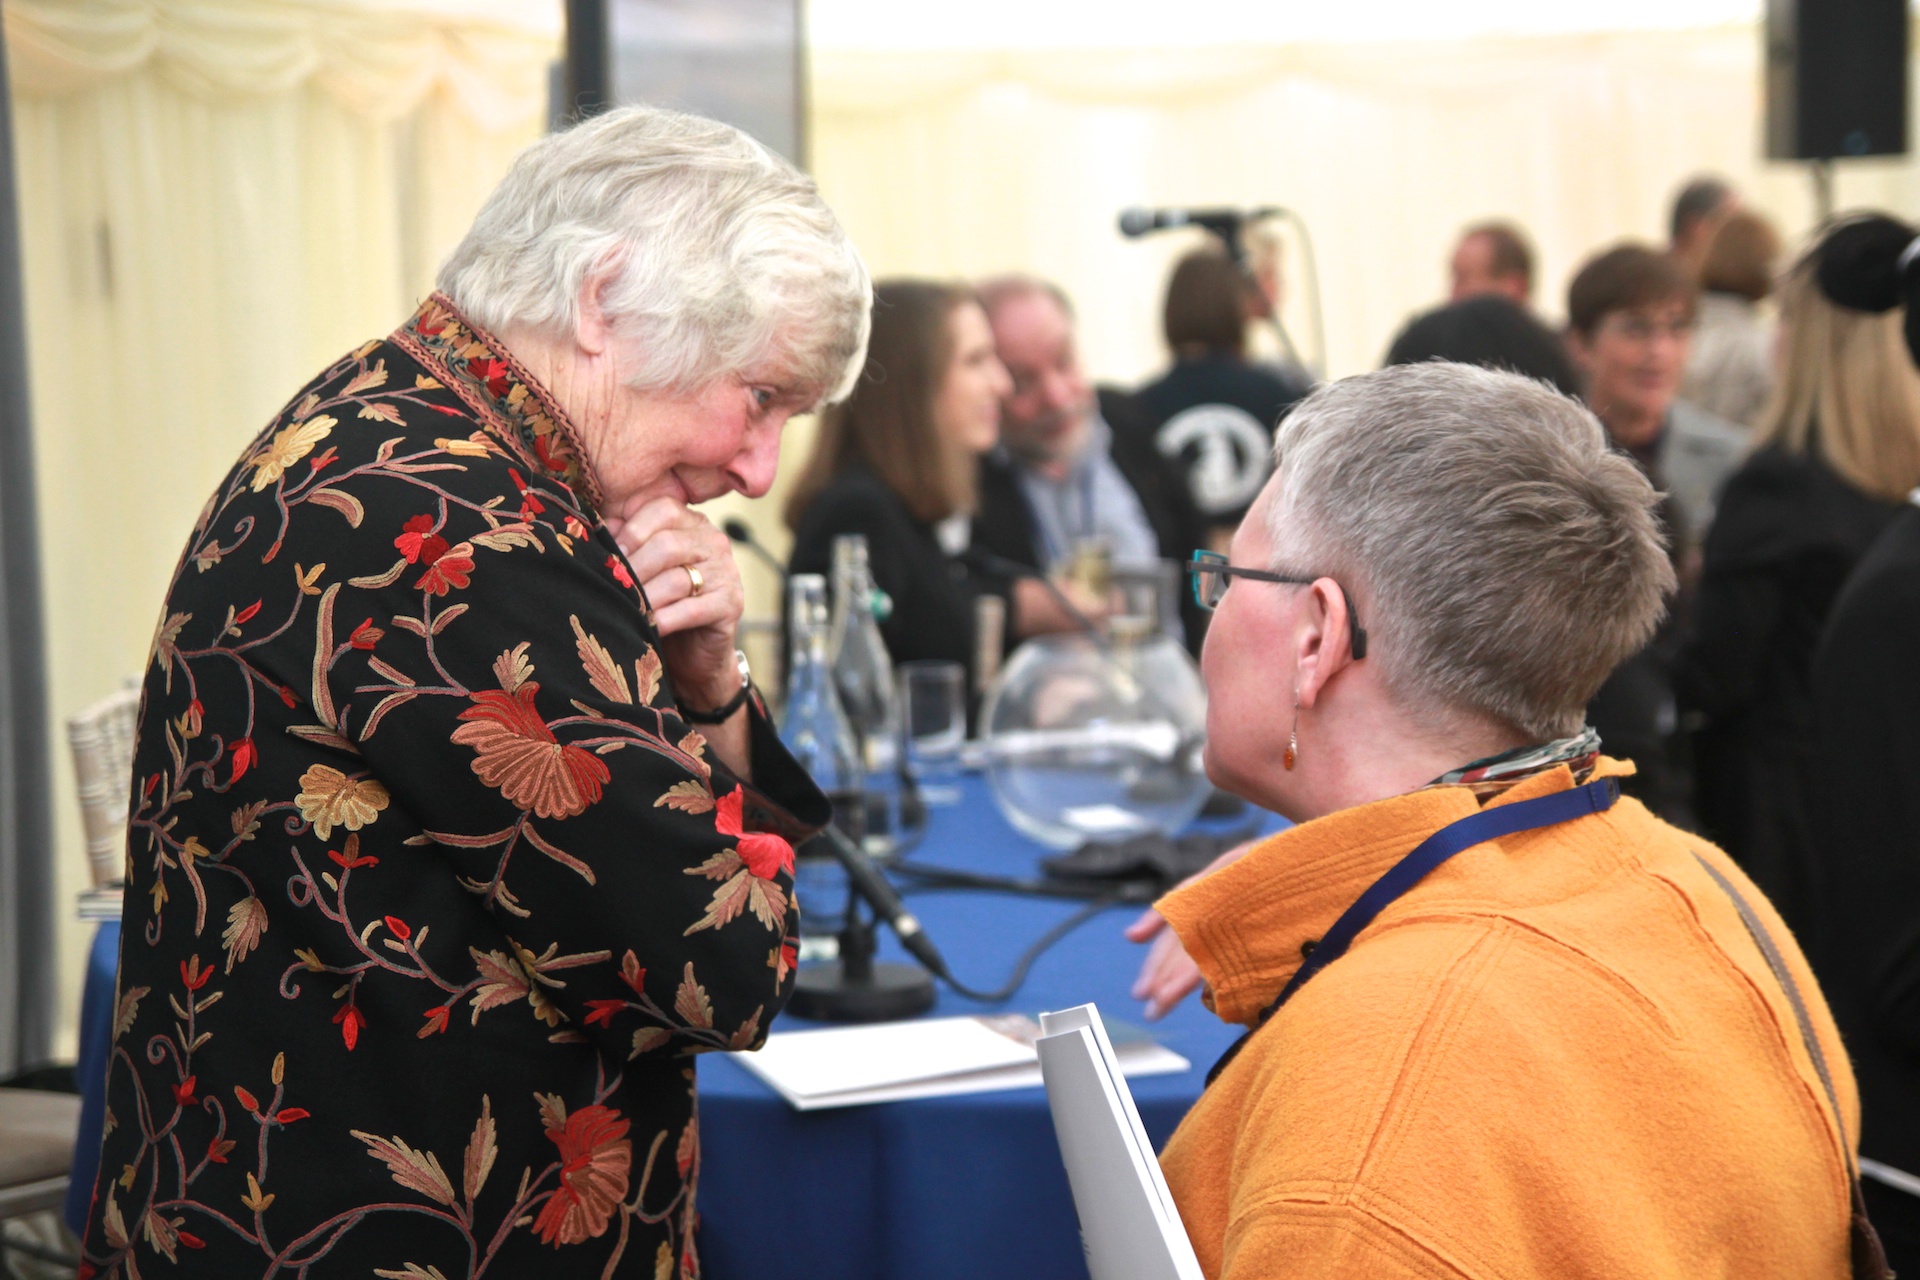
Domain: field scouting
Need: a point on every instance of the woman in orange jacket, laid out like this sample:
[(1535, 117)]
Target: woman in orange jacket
[(1504, 1023)]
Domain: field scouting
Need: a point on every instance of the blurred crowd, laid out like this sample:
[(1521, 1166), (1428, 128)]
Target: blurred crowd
[(1770, 398)]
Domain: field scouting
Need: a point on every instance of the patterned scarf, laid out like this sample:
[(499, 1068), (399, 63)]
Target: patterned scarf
[(1491, 776)]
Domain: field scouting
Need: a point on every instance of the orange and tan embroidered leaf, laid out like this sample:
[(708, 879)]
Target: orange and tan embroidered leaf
[(719, 866), (165, 637), (646, 676), (749, 1032), (343, 502), (691, 1002), (114, 1223), (127, 1010), (473, 446), (329, 798), (728, 901), (287, 447), (389, 672), (648, 1038), (411, 1271), (368, 379), (502, 981), (323, 655), (306, 578), (605, 677), (415, 1170), (383, 412), (246, 921), (553, 1111), (374, 581), (161, 1235), (512, 669), (385, 705), (506, 537), (516, 754), (255, 1199), (324, 736), (481, 1151), (444, 619), (690, 796)]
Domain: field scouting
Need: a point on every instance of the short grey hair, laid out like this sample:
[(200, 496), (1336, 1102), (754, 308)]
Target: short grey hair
[(724, 258), (1508, 558)]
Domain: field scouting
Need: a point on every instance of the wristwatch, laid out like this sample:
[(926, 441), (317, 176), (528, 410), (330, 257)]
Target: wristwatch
[(733, 704)]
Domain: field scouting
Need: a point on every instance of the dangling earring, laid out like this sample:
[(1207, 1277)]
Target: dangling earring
[(1293, 740)]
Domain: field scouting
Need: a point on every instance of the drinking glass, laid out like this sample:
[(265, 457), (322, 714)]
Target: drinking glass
[(936, 722)]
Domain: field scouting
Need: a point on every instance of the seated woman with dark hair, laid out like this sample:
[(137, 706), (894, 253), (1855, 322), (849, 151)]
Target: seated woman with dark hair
[(1503, 1021), (898, 462)]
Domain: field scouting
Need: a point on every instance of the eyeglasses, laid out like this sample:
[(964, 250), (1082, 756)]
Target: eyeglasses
[(1210, 573)]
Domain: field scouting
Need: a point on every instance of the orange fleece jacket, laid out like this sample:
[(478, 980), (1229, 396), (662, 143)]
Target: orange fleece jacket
[(1560, 1055)]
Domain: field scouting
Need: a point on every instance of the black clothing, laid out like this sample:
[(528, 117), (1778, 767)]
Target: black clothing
[(1214, 415), (405, 681), (1490, 331), (1787, 534), (1864, 932), (932, 593), (1005, 524)]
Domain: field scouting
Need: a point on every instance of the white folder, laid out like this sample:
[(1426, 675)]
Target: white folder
[(1128, 1224)]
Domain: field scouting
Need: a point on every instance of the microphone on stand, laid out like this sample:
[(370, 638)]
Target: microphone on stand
[(1224, 223), (736, 529)]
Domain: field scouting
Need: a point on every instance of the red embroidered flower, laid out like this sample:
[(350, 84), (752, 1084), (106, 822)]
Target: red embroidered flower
[(350, 1020), (246, 614), (352, 857), (218, 1149), (287, 1115), (366, 635), (447, 571), (530, 504), (247, 1100), (436, 1021), (183, 1092), (575, 527), (492, 372), (765, 854), (518, 755), (620, 574), (286, 696), (401, 929), (193, 975), (419, 543), (245, 756), (189, 1239), (325, 458), (595, 1157), (603, 1011)]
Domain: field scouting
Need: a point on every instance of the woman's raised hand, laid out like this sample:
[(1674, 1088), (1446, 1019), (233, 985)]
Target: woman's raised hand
[(685, 565)]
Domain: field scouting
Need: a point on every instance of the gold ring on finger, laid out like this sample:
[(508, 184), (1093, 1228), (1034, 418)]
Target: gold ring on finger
[(696, 582)]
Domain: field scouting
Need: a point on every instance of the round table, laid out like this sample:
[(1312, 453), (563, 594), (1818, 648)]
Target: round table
[(941, 1187)]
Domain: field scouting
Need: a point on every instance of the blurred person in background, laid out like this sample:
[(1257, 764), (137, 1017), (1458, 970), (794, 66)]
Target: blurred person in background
[(407, 905), (1492, 258), (1864, 804), (1730, 370), (1265, 255), (1489, 320), (1562, 1051), (1836, 454), (1065, 477), (1213, 413), (1630, 318), (1699, 207), (898, 461)]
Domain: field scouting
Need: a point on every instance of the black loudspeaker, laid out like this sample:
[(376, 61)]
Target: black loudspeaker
[(1836, 78)]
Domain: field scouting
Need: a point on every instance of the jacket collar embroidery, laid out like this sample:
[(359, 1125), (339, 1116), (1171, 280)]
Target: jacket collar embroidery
[(510, 402)]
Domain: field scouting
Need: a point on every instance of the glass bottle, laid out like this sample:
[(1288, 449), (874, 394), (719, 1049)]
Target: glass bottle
[(815, 729), (863, 673)]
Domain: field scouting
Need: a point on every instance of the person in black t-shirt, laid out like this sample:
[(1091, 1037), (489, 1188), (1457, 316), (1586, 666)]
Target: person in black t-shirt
[(1214, 411)]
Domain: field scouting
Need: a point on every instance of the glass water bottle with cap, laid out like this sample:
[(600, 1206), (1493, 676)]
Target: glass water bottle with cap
[(863, 673), (816, 731)]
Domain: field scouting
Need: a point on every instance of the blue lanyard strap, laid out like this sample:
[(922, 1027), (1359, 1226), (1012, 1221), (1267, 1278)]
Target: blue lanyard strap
[(1476, 828)]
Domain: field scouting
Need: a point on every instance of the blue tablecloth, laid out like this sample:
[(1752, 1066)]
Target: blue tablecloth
[(940, 1187)]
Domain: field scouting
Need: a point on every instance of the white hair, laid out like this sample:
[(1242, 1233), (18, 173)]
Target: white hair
[(1507, 557), (723, 259)]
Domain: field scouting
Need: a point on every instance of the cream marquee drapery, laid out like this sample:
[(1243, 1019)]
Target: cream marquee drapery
[(217, 196)]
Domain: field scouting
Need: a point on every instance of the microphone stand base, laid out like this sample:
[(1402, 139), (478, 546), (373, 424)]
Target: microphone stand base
[(889, 993)]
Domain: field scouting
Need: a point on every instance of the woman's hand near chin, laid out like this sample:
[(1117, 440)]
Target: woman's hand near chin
[(698, 632), (1169, 974)]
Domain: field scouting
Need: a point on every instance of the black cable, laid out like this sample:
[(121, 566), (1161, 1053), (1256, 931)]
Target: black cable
[(1033, 953), (935, 878)]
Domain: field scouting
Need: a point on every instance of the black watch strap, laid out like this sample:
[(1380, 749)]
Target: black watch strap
[(721, 714)]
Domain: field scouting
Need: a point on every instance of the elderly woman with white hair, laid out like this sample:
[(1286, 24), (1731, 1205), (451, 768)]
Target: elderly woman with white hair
[(457, 825), (1503, 1022)]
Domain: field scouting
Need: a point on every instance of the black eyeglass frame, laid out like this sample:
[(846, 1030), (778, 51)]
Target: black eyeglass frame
[(1214, 562)]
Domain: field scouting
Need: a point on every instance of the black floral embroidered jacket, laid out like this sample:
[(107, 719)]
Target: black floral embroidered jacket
[(431, 893)]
